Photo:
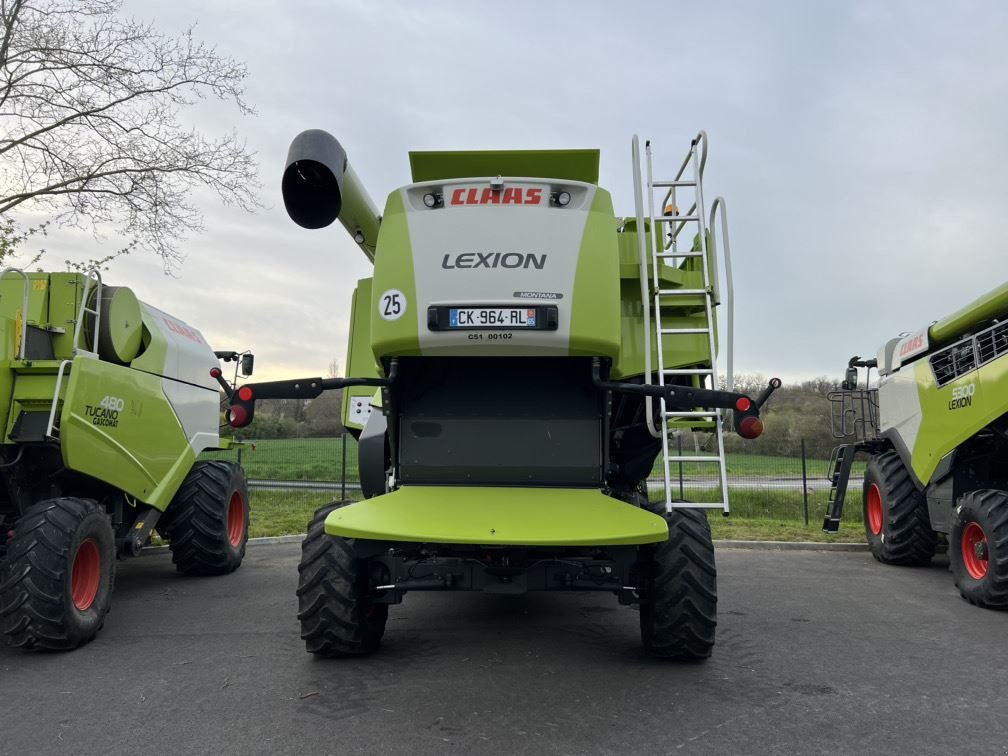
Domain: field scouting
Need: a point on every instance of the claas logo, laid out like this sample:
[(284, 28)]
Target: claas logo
[(512, 195)]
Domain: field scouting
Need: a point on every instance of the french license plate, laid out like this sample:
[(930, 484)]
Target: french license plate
[(492, 317)]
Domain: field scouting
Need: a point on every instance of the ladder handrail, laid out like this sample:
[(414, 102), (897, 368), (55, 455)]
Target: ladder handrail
[(78, 326), (24, 309), (719, 203), (645, 291), (51, 425), (702, 140)]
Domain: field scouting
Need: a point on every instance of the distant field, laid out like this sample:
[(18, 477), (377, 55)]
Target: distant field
[(295, 459), (321, 459)]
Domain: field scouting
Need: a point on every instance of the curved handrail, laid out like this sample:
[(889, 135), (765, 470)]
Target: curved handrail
[(24, 309), (719, 203), (78, 326), (645, 293)]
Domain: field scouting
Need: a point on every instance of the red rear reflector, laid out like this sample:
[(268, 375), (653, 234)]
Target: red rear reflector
[(742, 404), (215, 373), (238, 417), (245, 394), (750, 426)]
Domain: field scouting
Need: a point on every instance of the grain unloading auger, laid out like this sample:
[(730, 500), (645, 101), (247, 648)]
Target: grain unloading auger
[(528, 353), (105, 403), (935, 430)]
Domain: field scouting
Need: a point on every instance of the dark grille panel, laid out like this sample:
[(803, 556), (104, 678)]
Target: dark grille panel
[(970, 353)]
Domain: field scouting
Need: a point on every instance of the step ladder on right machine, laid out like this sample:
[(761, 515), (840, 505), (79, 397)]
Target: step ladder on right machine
[(679, 278)]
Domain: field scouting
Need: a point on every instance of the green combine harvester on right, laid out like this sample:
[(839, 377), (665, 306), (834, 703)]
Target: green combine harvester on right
[(936, 432)]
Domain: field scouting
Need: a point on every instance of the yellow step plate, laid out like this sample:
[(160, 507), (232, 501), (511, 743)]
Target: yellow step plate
[(498, 517)]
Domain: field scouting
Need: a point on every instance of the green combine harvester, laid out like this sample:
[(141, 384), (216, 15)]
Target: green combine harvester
[(520, 357), (106, 404), (936, 433)]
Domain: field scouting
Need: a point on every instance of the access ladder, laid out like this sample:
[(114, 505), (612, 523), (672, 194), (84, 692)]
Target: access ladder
[(660, 247)]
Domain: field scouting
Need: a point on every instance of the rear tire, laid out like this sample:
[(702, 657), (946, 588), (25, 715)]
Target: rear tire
[(978, 548), (895, 513), (208, 520), (335, 607), (57, 581), (678, 580)]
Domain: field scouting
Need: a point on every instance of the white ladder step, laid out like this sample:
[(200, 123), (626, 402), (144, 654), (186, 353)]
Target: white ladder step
[(698, 505), (684, 330), (675, 218), (672, 184), (679, 292), (687, 371), (694, 458), (663, 255)]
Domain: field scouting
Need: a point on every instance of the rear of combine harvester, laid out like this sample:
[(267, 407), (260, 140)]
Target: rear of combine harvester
[(520, 357)]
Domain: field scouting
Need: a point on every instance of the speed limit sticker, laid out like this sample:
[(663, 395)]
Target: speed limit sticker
[(392, 304)]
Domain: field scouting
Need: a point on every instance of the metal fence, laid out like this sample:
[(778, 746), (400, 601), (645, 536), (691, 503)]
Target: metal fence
[(290, 478)]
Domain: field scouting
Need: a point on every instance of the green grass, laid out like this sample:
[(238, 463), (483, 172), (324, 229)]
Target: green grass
[(294, 458), (742, 529), (321, 459)]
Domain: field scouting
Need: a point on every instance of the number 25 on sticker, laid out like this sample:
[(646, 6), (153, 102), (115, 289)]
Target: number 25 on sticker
[(392, 304)]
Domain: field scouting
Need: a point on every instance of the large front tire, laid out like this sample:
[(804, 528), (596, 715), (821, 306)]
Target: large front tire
[(978, 548), (56, 586), (678, 579), (208, 519), (895, 513), (335, 603)]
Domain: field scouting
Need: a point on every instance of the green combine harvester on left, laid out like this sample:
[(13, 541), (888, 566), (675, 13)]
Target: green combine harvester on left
[(106, 403)]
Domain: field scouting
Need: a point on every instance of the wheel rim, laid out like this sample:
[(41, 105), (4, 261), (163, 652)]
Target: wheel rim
[(236, 519), (85, 575), (875, 509), (974, 551)]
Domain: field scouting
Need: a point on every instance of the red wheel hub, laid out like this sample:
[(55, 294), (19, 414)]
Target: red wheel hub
[(974, 551), (875, 509), (236, 519), (85, 575)]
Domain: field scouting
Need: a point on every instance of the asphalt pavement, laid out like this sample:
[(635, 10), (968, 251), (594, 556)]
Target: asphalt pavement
[(817, 652)]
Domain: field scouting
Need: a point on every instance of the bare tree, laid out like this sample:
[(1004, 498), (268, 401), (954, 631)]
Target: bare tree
[(90, 128)]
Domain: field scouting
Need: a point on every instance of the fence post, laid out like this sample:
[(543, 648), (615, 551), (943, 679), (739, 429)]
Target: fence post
[(804, 478), (342, 439), (682, 497)]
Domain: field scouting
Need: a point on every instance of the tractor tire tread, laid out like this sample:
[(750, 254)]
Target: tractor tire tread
[(908, 538), (328, 601), (991, 506), (33, 581), (197, 519), (679, 619)]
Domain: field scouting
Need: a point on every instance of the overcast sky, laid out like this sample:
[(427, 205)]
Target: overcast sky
[(862, 149)]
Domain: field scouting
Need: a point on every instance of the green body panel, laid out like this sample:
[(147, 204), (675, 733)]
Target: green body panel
[(944, 426), (498, 516), (140, 449), (993, 304), (65, 291), (595, 307), (573, 165), (680, 350), (394, 271), (360, 361)]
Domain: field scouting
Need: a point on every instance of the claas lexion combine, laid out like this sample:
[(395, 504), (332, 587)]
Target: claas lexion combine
[(106, 404), (932, 418), (519, 358)]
